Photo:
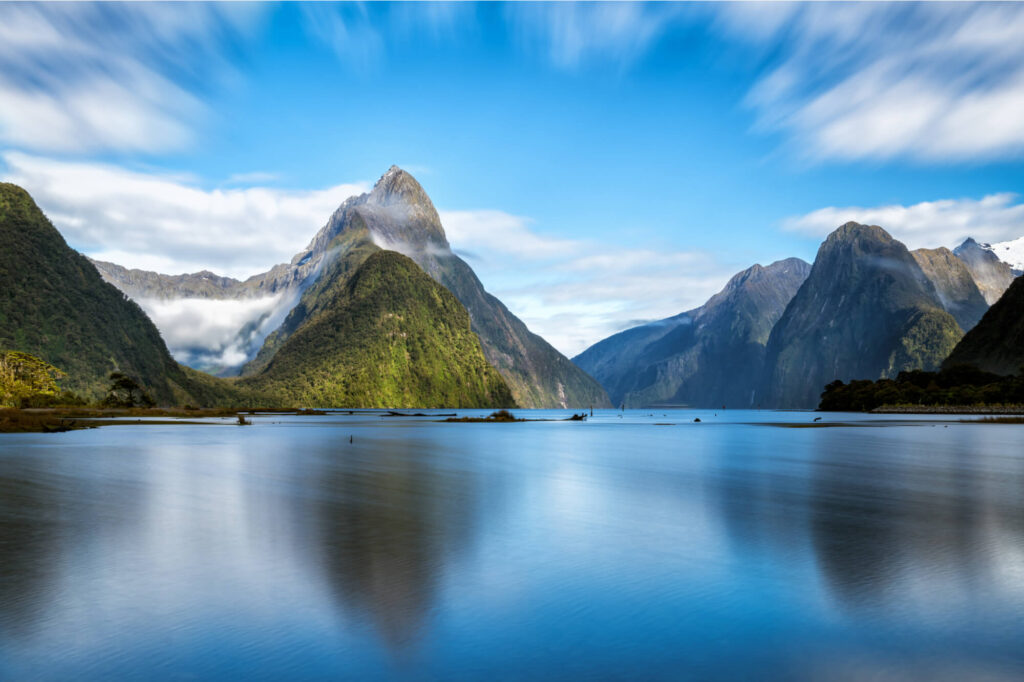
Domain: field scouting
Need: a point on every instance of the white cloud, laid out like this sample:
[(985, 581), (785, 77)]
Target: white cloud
[(78, 77), (493, 231), (930, 224), (206, 331), (147, 221), (576, 292), (927, 81)]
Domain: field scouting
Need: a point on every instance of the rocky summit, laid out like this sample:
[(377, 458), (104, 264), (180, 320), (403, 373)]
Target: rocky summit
[(992, 275)]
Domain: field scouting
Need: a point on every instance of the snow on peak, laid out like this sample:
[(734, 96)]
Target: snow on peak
[(1011, 252)]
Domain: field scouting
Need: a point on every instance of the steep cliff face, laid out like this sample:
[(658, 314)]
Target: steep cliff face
[(866, 311), (954, 285), (992, 275), (996, 344), (706, 357)]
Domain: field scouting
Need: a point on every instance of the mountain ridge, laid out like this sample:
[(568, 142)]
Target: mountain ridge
[(702, 356)]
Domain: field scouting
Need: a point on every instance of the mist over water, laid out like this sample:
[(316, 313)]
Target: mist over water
[(618, 548)]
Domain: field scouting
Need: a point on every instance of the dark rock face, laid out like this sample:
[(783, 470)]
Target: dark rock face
[(866, 311), (954, 284), (996, 344), (707, 357), (992, 275)]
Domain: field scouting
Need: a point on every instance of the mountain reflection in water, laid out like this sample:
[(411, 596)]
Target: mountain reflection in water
[(605, 549)]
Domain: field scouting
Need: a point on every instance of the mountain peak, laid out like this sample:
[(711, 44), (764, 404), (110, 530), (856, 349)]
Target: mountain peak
[(854, 230), (399, 186), (992, 275)]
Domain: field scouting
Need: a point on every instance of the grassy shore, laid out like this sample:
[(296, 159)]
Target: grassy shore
[(59, 419)]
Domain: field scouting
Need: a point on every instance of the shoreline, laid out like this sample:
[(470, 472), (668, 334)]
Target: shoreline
[(63, 419), (947, 409)]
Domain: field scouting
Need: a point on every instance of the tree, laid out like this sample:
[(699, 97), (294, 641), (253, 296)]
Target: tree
[(126, 392), (24, 376)]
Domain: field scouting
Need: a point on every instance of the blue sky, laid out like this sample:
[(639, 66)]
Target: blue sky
[(597, 164)]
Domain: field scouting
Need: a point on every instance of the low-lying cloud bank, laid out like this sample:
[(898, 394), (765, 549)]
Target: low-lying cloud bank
[(212, 333)]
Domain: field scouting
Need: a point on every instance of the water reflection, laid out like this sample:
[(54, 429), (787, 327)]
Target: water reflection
[(387, 522), (926, 527), (917, 519), (447, 552), (30, 539)]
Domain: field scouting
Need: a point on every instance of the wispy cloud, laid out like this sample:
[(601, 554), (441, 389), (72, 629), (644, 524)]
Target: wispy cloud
[(563, 34), (569, 33), (81, 77), (360, 33), (925, 81), (167, 223), (576, 292), (947, 222)]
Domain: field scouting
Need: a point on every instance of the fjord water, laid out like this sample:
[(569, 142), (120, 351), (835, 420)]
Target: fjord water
[(617, 548)]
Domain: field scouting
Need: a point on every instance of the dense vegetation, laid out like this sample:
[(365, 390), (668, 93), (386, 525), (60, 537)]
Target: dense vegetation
[(26, 379), (54, 305), (347, 252), (996, 344), (386, 336), (960, 385)]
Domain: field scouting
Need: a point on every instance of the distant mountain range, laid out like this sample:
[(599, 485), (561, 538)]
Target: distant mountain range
[(703, 357), (378, 311), (774, 337)]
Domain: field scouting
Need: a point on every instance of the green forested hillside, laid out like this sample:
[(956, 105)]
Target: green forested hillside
[(384, 335), (996, 344), (54, 304)]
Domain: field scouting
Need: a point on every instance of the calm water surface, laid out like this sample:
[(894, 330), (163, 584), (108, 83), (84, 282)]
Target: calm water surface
[(618, 548)]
